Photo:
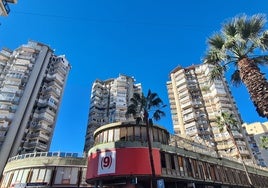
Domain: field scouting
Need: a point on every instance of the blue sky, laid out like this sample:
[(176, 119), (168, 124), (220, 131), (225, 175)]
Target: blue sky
[(101, 39)]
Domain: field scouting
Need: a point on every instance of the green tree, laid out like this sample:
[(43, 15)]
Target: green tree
[(140, 108), (264, 142), (227, 121), (242, 42)]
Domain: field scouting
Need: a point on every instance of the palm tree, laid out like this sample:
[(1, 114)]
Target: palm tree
[(227, 121), (264, 142), (242, 42), (140, 108)]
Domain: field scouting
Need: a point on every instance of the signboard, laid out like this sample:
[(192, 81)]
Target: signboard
[(106, 163)]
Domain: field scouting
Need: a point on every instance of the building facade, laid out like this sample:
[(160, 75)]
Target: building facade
[(195, 103), (4, 7), (45, 169), (32, 81), (256, 131), (108, 103), (119, 159)]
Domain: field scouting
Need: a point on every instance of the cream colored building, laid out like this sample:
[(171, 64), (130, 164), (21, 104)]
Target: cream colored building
[(195, 101), (108, 103), (256, 131), (32, 81)]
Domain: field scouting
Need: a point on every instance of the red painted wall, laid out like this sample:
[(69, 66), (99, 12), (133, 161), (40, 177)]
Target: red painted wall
[(129, 161)]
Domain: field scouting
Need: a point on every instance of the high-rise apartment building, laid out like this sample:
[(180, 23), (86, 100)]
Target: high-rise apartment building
[(108, 103), (256, 131), (32, 81), (195, 101)]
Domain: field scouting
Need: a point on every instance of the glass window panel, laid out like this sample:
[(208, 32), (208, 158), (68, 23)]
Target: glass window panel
[(130, 133), (74, 175), (123, 133), (110, 135), (167, 156), (201, 170), (19, 176), (66, 175), (97, 139), (101, 137), (188, 166), (181, 166), (59, 175), (160, 136), (143, 134), (155, 131), (35, 175), (172, 162), (116, 134), (41, 175), (163, 160), (137, 132), (164, 136), (105, 136), (48, 175)]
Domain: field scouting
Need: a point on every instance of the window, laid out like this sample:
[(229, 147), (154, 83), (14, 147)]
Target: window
[(130, 133), (181, 165), (110, 135), (163, 160), (105, 136), (123, 133), (116, 134), (137, 133), (143, 134), (172, 162)]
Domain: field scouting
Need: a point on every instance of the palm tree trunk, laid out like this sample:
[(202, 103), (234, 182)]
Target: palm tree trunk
[(153, 182), (256, 84)]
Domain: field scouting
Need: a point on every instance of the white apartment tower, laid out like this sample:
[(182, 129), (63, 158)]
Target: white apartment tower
[(195, 101), (108, 103), (32, 81)]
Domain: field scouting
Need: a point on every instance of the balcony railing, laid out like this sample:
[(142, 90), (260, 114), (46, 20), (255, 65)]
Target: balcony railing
[(44, 154)]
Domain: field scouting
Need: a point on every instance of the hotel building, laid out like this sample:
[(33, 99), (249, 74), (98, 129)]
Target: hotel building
[(196, 101), (108, 103), (32, 80)]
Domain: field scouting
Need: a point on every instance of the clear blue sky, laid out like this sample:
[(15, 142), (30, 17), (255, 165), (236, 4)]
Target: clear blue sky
[(101, 39)]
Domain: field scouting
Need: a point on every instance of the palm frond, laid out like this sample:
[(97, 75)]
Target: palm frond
[(216, 41), (139, 104), (212, 57), (261, 60), (229, 30), (257, 22), (264, 41), (236, 79), (216, 72), (158, 114)]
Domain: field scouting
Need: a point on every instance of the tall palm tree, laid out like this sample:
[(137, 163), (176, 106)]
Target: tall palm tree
[(227, 121), (242, 42), (140, 108), (264, 142)]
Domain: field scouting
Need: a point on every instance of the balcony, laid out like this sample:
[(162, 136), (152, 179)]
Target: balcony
[(36, 145), (185, 105), (42, 127), (237, 135)]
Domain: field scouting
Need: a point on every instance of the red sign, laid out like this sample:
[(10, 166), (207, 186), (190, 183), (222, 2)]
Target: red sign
[(122, 161)]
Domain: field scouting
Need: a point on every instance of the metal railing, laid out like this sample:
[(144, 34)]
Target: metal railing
[(44, 154)]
